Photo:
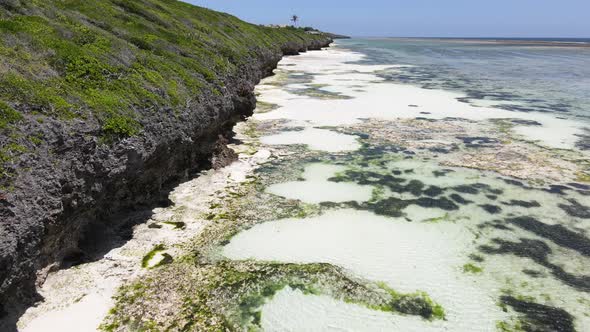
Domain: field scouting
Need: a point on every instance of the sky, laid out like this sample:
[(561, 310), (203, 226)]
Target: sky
[(421, 18)]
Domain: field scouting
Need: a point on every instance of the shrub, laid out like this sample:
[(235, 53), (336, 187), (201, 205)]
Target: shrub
[(119, 126), (8, 115)]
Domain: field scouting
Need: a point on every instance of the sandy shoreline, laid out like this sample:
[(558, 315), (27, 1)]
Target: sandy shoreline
[(79, 298)]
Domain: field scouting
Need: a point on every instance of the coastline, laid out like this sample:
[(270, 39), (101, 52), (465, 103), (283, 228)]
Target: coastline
[(288, 237), (71, 191), (279, 228), (97, 283)]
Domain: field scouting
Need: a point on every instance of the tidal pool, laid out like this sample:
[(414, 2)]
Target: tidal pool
[(409, 257), (315, 187)]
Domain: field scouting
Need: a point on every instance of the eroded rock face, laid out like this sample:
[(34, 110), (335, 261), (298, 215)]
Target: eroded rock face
[(74, 191)]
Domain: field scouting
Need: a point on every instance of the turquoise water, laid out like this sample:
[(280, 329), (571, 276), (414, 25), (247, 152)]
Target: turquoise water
[(544, 78)]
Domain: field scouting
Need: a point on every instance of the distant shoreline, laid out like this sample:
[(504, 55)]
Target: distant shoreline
[(553, 42)]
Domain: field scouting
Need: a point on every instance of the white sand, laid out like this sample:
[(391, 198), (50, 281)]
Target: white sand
[(291, 310), (315, 139), (316, 188), (85, 315), (78, 299)]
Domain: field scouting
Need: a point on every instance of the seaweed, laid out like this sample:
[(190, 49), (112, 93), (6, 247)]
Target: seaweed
[(538, 251), (525, 204), (433, 191), (459, 199), (491, 209), (575, 209), (558, 234), (539, 317), (472, 268)]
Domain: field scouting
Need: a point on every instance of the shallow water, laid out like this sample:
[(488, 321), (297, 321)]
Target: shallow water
[(423, 248), (549, 79), (316, 139), (409, 257), (291, 308), (394, 101), (316, 188), (497, 253)]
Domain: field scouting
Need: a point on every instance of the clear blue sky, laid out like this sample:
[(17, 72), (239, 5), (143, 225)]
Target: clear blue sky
[(426, 18)]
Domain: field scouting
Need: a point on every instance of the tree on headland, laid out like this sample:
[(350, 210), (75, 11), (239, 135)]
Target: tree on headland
[(294, 19)]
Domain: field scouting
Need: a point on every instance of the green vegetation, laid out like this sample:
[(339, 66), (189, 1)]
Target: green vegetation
[(120, 61), (120, 126), (444, 217), (127, 295), (8, 115), (503, 326), (472, 268)]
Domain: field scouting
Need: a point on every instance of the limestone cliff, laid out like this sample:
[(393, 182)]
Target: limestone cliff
[(104, 106)]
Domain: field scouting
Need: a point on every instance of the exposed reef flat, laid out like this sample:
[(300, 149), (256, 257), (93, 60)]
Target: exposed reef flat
[(486, 146), (415, 227)]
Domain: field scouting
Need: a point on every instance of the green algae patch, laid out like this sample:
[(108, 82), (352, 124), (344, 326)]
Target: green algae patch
[(265, 107), (418, 304), (156, 257), (445, 217), (509, 326), (229, 295), (472, 268), (583, 177)]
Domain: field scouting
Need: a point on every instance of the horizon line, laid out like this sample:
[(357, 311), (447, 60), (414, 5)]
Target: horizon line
[(463, 37)]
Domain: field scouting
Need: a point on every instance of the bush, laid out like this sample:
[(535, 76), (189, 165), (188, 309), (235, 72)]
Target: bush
[(8, 115), (119, 126), (86, 71)]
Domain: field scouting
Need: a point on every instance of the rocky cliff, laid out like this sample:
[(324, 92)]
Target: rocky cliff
[(104, 106)]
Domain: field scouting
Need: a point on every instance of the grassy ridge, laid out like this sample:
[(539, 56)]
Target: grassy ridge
[(115, 59)]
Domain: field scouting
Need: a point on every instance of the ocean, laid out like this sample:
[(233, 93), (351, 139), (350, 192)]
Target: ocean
[(542, 75)]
